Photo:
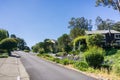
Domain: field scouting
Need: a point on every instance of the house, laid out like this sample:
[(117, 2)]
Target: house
[(110, 36)]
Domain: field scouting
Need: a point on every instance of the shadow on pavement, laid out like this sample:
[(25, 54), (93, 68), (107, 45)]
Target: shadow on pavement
[(17, 56)]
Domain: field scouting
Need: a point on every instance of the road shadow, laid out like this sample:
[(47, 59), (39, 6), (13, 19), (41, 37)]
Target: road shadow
[(17, 56)]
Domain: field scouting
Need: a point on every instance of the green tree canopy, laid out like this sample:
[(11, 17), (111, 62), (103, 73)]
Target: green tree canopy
[(103, 24), (64, 43), (3, 34), (8, 44), (13, 36), (116, 26), (81, 23), (21, 43), (110, 3)]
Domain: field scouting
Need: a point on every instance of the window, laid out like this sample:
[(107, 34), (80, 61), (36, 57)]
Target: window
[(117, 36), (117, 42)]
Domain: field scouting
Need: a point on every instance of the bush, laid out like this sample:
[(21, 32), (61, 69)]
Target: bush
[(26, 50), (111, 51), (61, 54), (57, 60), (74, 52), (41, 51), (65, 61), (81, 65), (4, 55), (94, 57), (94, 40)]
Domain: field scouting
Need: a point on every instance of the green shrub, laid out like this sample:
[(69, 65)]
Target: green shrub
[(81, 65), (65, 61), (57, 60), (39, 55), (94, 40), (61, 54), (111, 51), (41, 51), (26, 50), (116, 69), (4, 55), (94, 57), (74, 52)]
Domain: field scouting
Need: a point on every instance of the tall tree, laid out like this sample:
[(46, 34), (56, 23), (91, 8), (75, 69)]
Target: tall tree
[(3, 34), (103, 24), (21, 43), (116, 26), (64, 43), (78, 26), (81, 23), (48, 45), (110, 3)]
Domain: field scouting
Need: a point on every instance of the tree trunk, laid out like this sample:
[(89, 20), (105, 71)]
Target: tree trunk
[(9, 52)]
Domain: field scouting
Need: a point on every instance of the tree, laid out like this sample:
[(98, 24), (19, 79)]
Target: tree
[(21, 43), (27, 48), (75, 32), (81, 23), (13, 36), (103, 24), (3, 34), (64, 43), (8, 44), (110, 3), (35, 48), (116, 26)]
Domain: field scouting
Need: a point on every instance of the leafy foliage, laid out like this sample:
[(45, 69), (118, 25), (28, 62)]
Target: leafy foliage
[(3, 34), (81, 23), (21, 43), (79, 43), (94, 40), (75, 32), (104, 24), (81, 65), (95, 56), (8, 44), (4, 55), (114, 3), (116, 26), (64, 43), (65, 61)]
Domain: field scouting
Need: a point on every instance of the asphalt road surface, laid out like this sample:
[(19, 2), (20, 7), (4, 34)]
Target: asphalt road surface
[(39, 69)]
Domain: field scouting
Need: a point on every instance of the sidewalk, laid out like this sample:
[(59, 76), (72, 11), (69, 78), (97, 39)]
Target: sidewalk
[(11, 68)]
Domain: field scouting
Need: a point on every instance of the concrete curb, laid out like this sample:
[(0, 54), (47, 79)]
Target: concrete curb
[(23, 73)]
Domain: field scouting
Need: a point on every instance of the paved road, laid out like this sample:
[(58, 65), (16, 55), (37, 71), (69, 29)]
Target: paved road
[(39, 69)]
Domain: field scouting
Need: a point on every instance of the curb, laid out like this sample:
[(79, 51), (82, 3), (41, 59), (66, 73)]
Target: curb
[(72, 68), (23, 73)]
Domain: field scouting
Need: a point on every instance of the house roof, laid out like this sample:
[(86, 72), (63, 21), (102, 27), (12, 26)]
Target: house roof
[(101, 32)]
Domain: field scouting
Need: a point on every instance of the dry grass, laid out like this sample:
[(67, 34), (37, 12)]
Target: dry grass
[(101, 74)]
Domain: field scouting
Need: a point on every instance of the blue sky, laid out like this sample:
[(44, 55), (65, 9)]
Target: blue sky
[(36, 20)]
